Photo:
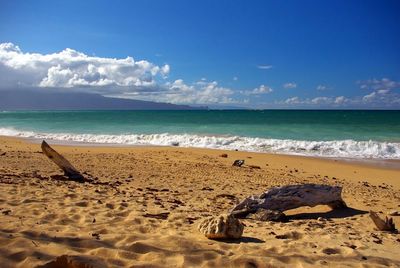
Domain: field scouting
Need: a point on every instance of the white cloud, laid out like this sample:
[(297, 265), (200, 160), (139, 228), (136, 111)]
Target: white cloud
[(289, 85), (264, 67), (369, 97), (321, 100), (380, 95), (126, 78), (262, 89), (383, 91), (321, 87), (178, 91), (379, 84), (317, 101), (235, 78), (292, 100), (340, 100), (383, 96), (70, 68)]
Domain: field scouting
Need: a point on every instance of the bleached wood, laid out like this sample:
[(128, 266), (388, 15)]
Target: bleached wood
[(382, 225), (69, 170), (290, 197)]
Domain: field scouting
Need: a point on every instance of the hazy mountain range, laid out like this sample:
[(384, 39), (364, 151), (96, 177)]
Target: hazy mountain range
[(36, 100)]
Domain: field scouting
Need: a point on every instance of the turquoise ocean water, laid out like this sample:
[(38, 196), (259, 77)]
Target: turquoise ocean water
[(354, 134)]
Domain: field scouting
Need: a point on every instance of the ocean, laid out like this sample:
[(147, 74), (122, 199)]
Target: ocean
[(323, 133)]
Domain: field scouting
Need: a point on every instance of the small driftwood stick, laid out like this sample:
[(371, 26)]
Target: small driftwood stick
[(382, 225), (290, 197), (69, 170)]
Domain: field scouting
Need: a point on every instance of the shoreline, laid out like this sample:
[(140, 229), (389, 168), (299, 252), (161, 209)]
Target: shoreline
[(372, 172), (392, 164)]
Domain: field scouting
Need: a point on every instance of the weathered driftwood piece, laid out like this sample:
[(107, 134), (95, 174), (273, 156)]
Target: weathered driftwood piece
[(290, 197), (382, 225), (69, 170), (221, 227)]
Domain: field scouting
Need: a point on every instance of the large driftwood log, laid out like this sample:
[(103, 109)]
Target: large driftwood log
[(382, 225), (69, 170), (290, 197)]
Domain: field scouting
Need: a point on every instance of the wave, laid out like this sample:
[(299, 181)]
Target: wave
[(335, 148)]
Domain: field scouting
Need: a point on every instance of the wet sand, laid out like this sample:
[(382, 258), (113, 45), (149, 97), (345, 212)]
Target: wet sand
[(113, 220)]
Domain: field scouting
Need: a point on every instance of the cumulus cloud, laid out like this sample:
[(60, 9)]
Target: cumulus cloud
[(127, 77), (264, 67), (262, 89), (317, 101), (382, 91), (292, 100), (379, 84), (73, 70), (201, 92), (70, 68), (383, 96), (340, 100), (289, 85)]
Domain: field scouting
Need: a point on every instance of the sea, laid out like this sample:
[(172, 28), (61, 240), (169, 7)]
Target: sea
[(322, 133)]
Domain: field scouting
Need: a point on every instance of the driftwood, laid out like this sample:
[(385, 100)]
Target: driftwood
[(382, 225), (289, 197), (69, 170)]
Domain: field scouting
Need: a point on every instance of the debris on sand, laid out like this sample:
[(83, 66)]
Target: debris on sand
[(221, 227), (238, 163)]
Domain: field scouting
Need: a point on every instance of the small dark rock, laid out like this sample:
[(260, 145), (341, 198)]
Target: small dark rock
[(207, 189), (96, 235), (6, 212), (238, 163)]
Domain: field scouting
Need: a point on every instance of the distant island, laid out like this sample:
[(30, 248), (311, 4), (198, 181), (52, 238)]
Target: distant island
[(36, 100)]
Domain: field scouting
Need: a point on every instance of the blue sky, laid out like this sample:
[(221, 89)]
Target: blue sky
[(260, 54)]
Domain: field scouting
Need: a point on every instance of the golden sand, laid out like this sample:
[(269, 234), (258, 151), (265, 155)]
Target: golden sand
[(118, 220)]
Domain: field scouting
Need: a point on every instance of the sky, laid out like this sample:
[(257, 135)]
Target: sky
[(252, 54)]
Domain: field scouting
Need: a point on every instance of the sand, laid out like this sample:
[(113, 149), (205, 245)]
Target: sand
[(114, 223)]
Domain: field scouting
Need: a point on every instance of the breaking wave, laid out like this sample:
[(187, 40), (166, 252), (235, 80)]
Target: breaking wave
[(334, 148)]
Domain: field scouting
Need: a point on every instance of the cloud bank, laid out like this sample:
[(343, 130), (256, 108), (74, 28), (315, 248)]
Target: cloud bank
[(70, 68), (140, 79)]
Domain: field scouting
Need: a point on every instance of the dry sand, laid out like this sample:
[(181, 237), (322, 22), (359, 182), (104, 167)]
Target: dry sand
[(42, 218)]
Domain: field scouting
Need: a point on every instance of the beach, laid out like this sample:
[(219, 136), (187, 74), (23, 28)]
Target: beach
[(146, 203)]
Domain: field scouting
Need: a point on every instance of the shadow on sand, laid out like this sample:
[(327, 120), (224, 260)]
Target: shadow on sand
[(243, 239), (333, 214)]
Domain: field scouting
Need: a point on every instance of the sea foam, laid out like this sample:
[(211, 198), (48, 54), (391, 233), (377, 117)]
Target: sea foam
[(334, 148)]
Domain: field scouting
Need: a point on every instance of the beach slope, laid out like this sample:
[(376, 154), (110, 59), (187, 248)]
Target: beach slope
[(145, 203)]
